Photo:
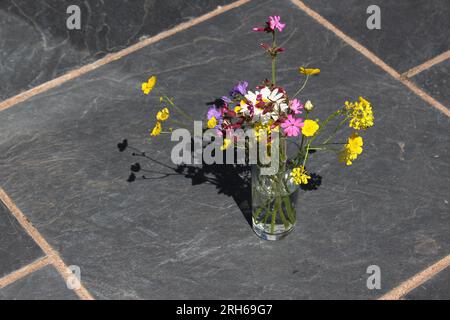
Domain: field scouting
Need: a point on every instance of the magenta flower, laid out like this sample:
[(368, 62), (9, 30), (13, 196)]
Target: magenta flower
[(256, 29), (291, 126), (274, 22), (296, 106)]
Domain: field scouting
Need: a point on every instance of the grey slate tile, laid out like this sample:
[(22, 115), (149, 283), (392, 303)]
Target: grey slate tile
[(177, 238), (17, 249), (43, 284), (437, 288), (436, 82), (36, 46), (412, 31)]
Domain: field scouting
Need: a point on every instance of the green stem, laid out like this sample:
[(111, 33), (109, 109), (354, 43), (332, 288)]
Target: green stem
[(274, 58), (178, 122), (302, 87), (290, 211), (181, 111), (274, 215), (267, 214), (273, 71), (307, 153), (282, 216), (335, 130), (325, 149), (260, 209)]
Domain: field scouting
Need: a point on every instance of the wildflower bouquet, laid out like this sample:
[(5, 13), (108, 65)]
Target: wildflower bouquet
[(271, 118)]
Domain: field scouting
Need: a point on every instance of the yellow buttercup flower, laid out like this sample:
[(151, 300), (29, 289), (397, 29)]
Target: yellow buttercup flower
[(300, 176), (352, 149), (212, 123), (308, 72), (309, 128), (156, 130), (147, 87), (163, 114), (237, 109), (361, 114), (226, 144)]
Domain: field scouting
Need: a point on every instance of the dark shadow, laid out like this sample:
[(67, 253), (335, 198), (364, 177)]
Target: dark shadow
[(230, 180), (313, 183)]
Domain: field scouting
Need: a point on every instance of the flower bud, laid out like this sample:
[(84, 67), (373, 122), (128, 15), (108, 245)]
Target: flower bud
[(308, 106)]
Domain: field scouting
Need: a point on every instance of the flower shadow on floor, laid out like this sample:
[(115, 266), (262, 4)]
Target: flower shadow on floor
[(230, 180)]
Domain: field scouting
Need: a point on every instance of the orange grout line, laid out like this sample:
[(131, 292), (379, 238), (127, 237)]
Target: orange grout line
[(371, 56), (24, 271), (426, 97), (116, 56), (426, 65), (415, 281), (51, 253)]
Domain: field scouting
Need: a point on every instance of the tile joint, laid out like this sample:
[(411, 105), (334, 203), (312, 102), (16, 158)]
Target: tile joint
[(371, 56), (50, 253)]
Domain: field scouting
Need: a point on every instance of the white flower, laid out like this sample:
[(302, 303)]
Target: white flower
[(244, 108), (276, 96), (266, 95), (250, 96)]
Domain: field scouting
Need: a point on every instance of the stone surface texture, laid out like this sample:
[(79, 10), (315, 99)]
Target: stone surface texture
[(17, 249), (43, 284), (175, 237), (36, 45)]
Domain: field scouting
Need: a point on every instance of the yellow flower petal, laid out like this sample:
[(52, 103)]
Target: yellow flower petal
[(147, 87), (212, 123), (226, 144), (156, 130), (163, 115), (300, 176), (360, 113), (309, 72), (352, 149), (309, 128)]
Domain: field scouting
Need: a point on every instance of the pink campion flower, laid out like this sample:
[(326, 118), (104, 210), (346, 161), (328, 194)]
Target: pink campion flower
[(296, 106), (291, 126), (275, 22), (256, 29)]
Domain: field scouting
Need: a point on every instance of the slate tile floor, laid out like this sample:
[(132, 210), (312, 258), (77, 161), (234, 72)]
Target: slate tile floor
[(43, 284), (36, 46), (436, 81), (173, 238), (436, 288), (412, 31), (16, 246)]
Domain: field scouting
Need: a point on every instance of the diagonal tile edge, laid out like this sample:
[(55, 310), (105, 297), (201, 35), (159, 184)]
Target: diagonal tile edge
[(115, 56), (51, 253), (371, 56), (24, 271), (426, 65), (415, 281)]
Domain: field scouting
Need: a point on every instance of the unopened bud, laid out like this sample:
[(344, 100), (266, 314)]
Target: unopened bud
[(308, 106)]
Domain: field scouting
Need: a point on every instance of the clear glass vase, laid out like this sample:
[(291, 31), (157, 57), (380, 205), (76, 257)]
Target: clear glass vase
[(273, 203)]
